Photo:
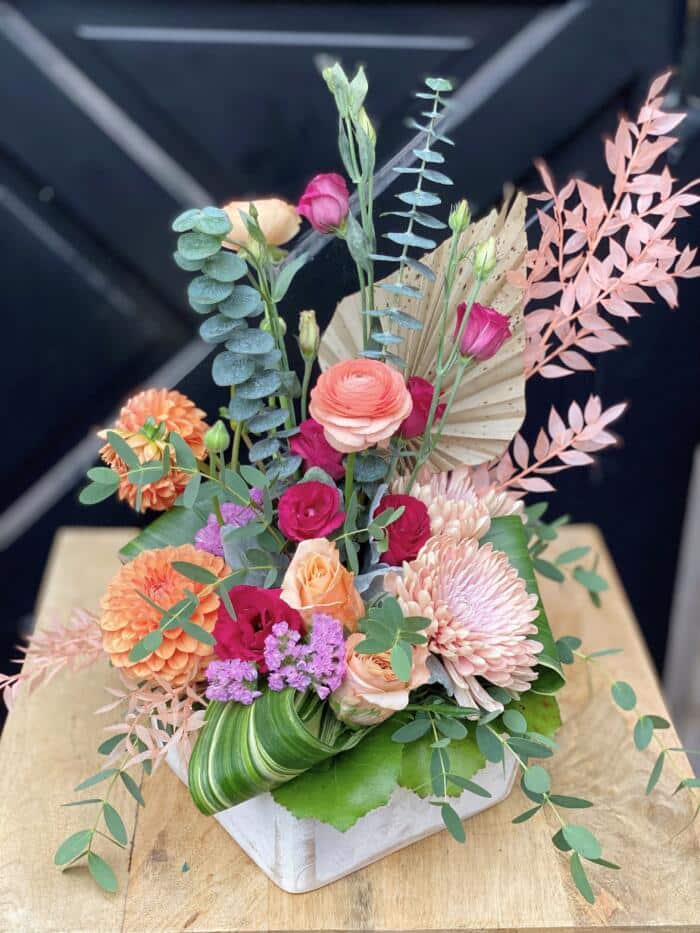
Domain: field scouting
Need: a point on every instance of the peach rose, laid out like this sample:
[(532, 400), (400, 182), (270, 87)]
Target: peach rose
[(316, 581), (360, 403), (370, 691), (277, 219)]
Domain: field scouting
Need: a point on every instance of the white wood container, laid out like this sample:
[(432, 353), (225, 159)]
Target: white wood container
[(301, 855)]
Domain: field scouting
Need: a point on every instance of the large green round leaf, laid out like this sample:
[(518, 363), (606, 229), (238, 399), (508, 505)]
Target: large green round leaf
[(343, 789)]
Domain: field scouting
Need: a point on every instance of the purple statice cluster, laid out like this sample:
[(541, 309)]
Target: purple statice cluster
[(233, 680), (208, 538), (320, 663)]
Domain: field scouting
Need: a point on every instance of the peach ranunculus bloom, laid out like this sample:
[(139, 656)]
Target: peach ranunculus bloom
[(370, 691), (360, 403), (277, 219), (316, 581)]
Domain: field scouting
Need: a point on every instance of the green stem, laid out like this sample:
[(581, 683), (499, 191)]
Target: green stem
[(308, 367), (349, 476), (217, 511), (236, 450)]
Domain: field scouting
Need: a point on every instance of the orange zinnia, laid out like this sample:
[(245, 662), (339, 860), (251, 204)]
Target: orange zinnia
[(127, 617), (137, 424)]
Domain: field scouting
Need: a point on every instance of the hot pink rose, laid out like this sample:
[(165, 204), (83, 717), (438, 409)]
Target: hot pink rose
[(370, 691), (257, 610), (485, 333), (309, 510), (422, 393), (311, 444), (325, 201), (409, 532)]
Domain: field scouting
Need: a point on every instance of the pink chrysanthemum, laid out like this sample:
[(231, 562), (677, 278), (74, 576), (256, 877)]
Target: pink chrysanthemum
[(481, 616), (455, 507)]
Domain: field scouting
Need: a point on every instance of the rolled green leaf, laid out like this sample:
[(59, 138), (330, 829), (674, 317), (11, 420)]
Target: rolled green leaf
[(243, 751), (507, 534)]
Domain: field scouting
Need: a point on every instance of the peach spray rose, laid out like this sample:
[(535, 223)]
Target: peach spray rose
[(370, 691), (316, 581)]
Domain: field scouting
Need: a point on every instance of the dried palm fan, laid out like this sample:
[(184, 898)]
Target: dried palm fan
[(490, 403)]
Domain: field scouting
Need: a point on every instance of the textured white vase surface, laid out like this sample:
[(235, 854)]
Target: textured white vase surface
[(301, 855)]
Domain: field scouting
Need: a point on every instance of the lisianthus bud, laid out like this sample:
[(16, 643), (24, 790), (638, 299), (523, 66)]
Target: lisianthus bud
[(266, 325), (460, 216), (485, 332), (325, 202), (365, 124), (485, 259), (217, 438), (309, 334)]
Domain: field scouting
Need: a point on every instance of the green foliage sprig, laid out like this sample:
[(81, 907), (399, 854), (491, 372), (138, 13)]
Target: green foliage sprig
[(80, 845), (356, 145), (646, 727), (254, 364), (541, 535), (386, 629)]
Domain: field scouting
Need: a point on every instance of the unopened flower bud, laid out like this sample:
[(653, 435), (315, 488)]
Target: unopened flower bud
[(459, 217), (217, 438), (365, 124), (281, 326), (485, 259), (309, 334)]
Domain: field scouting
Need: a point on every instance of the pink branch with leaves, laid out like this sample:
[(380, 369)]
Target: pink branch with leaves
[(73, 646), (598, 260)]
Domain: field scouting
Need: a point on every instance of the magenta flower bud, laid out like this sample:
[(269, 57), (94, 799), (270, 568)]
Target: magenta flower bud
[(485, 333), (325, 202)]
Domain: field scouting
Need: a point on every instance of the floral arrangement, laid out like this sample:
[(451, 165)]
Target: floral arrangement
[(369, 568)]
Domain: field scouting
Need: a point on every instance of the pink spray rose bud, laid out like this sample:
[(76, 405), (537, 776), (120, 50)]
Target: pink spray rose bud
[(485, 333), (422, 393), (325, 201)]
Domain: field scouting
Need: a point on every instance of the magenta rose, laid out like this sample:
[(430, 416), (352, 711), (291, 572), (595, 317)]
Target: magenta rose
[(409, 532), (485, 333), (309, 510), (311, 445), (325, 202), (422, 393), (257, 610)]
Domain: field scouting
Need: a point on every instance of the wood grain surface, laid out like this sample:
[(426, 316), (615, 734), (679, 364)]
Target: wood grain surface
[(506, 877)]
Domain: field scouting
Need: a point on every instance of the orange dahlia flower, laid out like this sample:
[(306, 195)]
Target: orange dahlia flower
[(138, 424), (127, 617)]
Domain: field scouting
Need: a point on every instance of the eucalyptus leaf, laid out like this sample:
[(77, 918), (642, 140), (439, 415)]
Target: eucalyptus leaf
[(624, 695), (251, 341), (229, 369), (102, 873), (196, 246), (245, 301), (261, 385), (214, 221), (225, 267), (267, 420), (217, 329), (206, 291), (187, 265), (264, 449), (185, 221), (115, 824), (73, 847), (96, 492)]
